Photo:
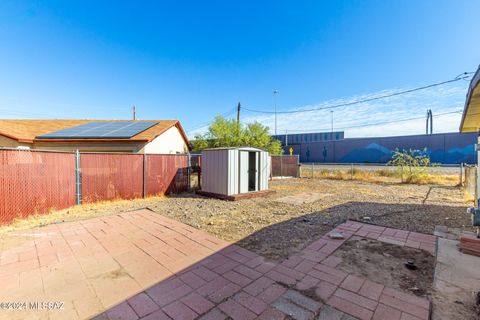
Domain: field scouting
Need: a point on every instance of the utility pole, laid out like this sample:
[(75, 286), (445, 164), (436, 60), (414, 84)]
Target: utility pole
[(331, 114), (275, 92), (429, 122), (238, 116), (134, 113), (286, 137)]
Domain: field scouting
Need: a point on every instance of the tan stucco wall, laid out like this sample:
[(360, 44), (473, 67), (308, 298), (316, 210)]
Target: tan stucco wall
[(90, 147), (10, 143), (169, 142)]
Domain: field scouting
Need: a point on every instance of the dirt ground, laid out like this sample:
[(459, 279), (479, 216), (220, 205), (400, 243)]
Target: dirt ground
[(276, 229), (385, 263)]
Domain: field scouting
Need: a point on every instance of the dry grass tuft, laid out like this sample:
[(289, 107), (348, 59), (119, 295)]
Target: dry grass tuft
[(382, 176), (80, 212)]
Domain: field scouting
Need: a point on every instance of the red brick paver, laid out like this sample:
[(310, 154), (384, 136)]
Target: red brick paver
[(140, 265)]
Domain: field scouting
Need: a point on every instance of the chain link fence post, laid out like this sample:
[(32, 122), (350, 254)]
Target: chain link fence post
[(298, 167), (144, 175), (461, 174), (189, 171), (281, 166), (78, 179)]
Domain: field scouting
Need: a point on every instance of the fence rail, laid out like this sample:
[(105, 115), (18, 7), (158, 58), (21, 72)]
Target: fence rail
[(33, 181)]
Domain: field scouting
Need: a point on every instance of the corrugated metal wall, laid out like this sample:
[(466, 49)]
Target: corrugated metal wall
[(221, 170), (215, 171), (232, 176), (264, 170), (35, 182)]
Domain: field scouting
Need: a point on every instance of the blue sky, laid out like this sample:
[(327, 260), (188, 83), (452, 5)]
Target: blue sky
[(192, 60)]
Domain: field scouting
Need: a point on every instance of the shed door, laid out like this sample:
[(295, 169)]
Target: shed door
[(253, 171), (244, 169)]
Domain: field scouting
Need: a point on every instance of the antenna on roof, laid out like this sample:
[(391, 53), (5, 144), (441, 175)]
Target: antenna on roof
[(134, 113)]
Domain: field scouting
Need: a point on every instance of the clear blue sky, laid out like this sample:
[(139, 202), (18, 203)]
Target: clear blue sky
[(192, 60)]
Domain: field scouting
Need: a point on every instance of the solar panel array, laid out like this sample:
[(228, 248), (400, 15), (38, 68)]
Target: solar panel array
[(101, 130)]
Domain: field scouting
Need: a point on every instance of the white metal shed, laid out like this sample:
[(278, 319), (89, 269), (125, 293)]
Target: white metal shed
[(232, 171)]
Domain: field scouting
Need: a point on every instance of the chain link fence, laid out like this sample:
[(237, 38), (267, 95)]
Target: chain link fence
[(35, 182), (344, 171)]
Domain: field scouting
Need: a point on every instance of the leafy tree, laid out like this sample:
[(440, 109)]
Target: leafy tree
[(412, 165), (226, 133)]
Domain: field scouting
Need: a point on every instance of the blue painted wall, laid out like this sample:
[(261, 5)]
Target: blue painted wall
[(444, 148)]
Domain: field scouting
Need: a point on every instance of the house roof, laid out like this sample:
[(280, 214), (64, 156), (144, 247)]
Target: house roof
[(471, 112), (28, 130)]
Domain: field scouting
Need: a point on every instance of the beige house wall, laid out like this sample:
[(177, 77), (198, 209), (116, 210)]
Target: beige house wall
[(90, 147), (169, 142), (11, 143)]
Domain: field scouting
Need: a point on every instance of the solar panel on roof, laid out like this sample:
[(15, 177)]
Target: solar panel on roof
[(104, 130)]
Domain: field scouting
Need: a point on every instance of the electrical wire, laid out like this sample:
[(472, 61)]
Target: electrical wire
[(225, 114), (463, 76), (376, 123)]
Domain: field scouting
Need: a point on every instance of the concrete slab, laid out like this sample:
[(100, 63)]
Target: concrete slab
[(457, 277), (456, 268)]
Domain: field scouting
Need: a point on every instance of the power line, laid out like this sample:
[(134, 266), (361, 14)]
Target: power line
[(378, 123), (462, 76), (225, 114)]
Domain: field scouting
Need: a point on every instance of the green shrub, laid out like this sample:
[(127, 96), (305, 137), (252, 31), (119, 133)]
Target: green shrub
[(412, 165)]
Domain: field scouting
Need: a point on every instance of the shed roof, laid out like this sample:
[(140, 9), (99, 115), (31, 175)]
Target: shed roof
[(28, 130), (471, 112), (235, 148)]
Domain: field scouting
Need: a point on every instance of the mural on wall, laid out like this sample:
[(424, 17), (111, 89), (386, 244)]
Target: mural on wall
[(444, 148)]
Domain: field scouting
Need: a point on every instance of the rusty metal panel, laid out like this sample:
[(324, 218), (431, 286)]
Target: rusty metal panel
[(33, 182), (111, 176), (286, 166), (166, 174)]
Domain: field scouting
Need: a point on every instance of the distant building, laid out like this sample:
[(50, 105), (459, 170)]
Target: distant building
[(299, 138), (138, 136)]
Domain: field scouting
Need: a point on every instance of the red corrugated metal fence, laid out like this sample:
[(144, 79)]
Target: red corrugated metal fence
[(35, 182)]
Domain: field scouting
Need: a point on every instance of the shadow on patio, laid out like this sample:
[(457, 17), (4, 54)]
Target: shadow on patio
[(242, 284)]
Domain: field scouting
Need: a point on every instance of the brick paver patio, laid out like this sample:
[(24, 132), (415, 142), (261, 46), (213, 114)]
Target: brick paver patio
[(238, 284), (94, 264), (140, 265)]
